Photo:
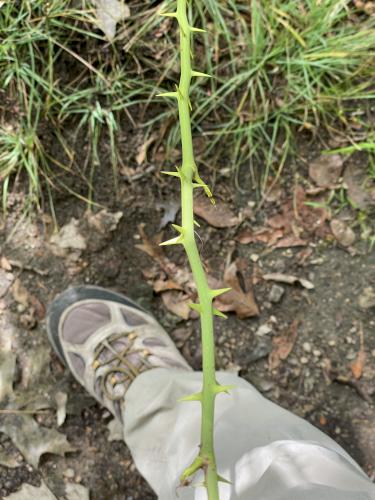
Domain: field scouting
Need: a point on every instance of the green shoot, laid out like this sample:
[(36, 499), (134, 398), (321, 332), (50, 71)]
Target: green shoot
[(189, 180)]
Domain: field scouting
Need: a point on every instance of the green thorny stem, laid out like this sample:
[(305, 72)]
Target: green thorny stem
[(189, 178)]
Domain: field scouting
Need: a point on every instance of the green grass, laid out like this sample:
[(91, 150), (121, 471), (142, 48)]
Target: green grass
[(280, 68)]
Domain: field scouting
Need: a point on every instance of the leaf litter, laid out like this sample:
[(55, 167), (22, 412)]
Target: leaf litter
[(109, 13), (360, 187), (237, 300), (32, 439), (218, 215), (73, 491), (342, 232), (289, 279), (69, 237), (175, 284), (358, 364), (299, 219), (24, 393), (177, 287), (326, 170), (283, 346)]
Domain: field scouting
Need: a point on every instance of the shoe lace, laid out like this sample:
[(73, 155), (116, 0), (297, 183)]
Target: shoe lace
[(120, 371)]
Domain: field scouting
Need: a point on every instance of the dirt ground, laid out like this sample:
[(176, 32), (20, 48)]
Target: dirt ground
[(307, 344)]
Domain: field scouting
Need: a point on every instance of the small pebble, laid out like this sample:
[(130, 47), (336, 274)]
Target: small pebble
[(263, 330), (306, 347), (317, 353), (276, 294), (332, 343), (254, 257), (304, 360), (69, 473), (367, 299)]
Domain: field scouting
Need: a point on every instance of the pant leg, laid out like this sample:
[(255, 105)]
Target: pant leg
[(265, 451)]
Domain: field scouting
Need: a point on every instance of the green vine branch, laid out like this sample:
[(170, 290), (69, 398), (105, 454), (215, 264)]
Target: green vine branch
[(190, 180)]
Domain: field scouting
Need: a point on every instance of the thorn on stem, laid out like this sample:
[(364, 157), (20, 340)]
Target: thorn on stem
[(216, 312), (178, 240), (173, 174), (197, 396), (196, 307), (197, 30), (180, 229), (222, 388), (222, 479), (219, 291), (198, 73), (168, 14), (168, 94)]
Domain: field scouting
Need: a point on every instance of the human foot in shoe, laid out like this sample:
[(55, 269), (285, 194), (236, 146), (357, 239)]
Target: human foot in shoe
[(106, 340)]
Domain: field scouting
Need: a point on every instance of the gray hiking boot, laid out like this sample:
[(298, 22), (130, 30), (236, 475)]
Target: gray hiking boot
[(106, 340)]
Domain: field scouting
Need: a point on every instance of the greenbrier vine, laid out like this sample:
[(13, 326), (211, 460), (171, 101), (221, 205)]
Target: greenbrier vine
[(190, 179)]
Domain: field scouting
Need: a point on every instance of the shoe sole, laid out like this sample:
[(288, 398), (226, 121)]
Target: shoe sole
[(74, 295)]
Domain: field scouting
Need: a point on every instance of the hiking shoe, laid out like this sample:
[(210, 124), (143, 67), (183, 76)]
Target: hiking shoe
[(106, 340)]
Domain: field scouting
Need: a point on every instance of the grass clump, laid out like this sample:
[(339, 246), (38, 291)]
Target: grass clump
[(279, 68)]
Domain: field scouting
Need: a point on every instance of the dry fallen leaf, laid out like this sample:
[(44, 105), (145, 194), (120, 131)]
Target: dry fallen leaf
[(116, 430), (34, 365), (7, 372), (142, 151), (104, 221), (290, 241), (39, 309), (19, 292), (177, 303), (8, 460), (237, 300), (180, 276), (28, 491), (299, 219), (359, 186), (8, 357), (282, 346), (61, 399), (5, 264), (359, 363), (109, 13), (367, 298), (218, 215), (273, 190), (33, 440), (74, 491), (289, 279), (171, 209), (326, 170), (343, 233), (160, 285), (265, 235), (69, 237), (151, 246)]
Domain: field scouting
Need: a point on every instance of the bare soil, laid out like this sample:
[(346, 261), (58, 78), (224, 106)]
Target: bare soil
[(314, 380)]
